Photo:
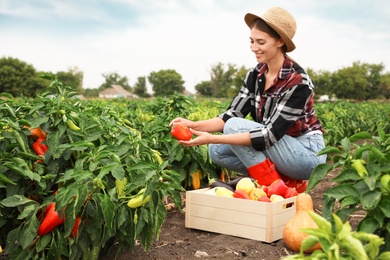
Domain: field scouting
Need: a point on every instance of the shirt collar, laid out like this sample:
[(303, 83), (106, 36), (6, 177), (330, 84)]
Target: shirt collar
[(284, 71)]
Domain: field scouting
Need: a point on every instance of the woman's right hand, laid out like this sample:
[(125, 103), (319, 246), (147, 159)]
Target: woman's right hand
[(187, 122)]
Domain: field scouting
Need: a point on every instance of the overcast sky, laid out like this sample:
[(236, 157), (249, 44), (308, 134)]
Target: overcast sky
[(136, 37)]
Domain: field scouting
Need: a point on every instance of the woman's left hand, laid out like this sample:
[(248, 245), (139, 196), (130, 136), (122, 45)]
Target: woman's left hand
[(202, 138)]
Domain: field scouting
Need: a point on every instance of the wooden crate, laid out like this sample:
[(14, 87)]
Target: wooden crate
[(250, 219)]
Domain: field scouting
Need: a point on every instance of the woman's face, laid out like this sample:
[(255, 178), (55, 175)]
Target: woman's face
[(264, 46)]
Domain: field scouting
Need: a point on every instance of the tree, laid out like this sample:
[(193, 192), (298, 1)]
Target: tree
[(19, 78), (115, 79), (221, 80), (322, 82), (140, 87), (238, 81), (166, 82), (72, 78), (204, 88), (384, 86), (374, 76)]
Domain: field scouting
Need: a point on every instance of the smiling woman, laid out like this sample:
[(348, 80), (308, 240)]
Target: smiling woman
[(284, 135)]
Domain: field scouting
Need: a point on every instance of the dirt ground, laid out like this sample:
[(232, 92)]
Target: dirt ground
[(178, 242)]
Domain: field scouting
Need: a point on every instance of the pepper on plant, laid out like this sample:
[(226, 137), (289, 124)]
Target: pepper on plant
[(39, 147), (51, 220)]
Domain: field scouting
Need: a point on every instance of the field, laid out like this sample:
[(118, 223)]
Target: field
[(109, 166)]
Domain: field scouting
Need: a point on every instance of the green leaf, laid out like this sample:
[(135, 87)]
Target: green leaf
[(309, 242), (110, 167), (384, 256), (347, 175), (108, 209), (346, 144), (375, 155), (348, 201), (384, 205), (15, 200), (360, 136), (353, 247), (345, 213), (327, 207), (5, 180), (368, 225), (19, 170), (319, 173), (360, 150), (7, 95), (329, 150), (28, 210), (43, 242), (321, 222), (373, 243), (342, 191), (370, 199), (29, 231)]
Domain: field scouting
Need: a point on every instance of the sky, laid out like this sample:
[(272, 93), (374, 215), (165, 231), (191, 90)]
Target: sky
[(136, 37)]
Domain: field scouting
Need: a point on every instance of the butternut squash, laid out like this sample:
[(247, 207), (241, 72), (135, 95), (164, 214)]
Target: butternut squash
[(292, 235)]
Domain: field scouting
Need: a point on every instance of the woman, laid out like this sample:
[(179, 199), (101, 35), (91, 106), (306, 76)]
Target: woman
[(285, 135)]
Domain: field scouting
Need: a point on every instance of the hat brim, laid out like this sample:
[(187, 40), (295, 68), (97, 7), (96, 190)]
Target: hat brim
[(250, 18)]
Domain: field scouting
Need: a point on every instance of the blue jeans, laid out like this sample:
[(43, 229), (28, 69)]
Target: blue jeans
[(295, 157)]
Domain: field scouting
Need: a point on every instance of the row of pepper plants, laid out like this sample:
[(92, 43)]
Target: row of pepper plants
[(358, 148), (80, 176)]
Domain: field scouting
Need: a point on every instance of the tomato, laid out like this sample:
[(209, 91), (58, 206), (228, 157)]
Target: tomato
[(181, 132)]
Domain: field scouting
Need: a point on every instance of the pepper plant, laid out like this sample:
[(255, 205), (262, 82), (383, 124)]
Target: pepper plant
[(362, 184), (92, 150)]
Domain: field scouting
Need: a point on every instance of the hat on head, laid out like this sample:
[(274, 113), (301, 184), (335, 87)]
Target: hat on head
[(280, 20)]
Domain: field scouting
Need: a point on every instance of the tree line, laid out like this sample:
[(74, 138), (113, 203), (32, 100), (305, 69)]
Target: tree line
[(361, 81)]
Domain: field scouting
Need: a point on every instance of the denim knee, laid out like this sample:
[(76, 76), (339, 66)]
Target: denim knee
[(237, 125)]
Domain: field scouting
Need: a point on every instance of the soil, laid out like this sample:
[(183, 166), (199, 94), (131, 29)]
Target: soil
[(178, 242)]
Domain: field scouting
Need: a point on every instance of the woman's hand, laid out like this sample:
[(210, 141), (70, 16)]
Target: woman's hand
[(202, 138), (187, 122)]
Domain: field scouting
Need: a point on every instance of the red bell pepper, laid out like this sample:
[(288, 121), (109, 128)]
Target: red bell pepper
[(240, 194), (264, 199), (75, 228), (299, 185), (52, 219), (291, 192), (181, 132), (38, 133), (277, 187), (40, 148)]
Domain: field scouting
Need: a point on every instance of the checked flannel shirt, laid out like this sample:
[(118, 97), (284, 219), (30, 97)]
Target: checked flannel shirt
[(287, 107)]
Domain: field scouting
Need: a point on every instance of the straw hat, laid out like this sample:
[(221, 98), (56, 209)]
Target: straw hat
[(280, 20)]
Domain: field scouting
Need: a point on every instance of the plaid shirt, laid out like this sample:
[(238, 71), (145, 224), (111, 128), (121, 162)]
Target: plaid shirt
[(287, 107)]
